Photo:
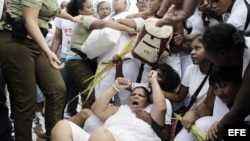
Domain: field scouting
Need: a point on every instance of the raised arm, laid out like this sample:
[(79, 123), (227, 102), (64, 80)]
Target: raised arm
[(179, 96), (101, 106), (67, 16), (159, 109), (99, 24), (128, 22), (118, 65), (145, 14)]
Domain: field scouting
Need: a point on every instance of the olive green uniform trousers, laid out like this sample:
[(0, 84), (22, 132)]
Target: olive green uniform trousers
[(24, 65)]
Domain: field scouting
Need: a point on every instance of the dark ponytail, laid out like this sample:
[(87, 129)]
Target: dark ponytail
[(223, 36), (74, 6)]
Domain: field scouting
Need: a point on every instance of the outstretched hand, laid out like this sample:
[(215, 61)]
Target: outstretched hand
[(175, 11), (173, 16)]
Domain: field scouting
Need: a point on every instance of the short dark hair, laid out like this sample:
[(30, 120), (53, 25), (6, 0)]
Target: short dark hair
[(73, 7), (172, 78), (148, 93), (231, 73)]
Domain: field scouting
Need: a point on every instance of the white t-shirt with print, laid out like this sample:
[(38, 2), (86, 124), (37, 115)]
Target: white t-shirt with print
[(67, 27)]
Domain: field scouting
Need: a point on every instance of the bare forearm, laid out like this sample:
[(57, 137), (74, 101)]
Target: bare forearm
[(65, 15), (174, 97), (145, 14), (162, 132), (189, 6), (127, 22), (116, 26), (35, 33), (55, 45), (119, 72), (159, 109), (57, 40), (207, 105), (202, 111), (102, 102)]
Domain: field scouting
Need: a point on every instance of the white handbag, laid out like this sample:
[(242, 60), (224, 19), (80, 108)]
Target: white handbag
[(100, 41)]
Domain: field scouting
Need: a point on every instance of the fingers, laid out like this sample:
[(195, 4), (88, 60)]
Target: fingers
[(57, 60), (210, 137), (54, 61), (212, 133), (123, 81), (115, 58), (216, 126), (178, 39), (152, 74), (164, 7), (143, 115), (168, 18), (77, 18), (57, 65), (187, 125)]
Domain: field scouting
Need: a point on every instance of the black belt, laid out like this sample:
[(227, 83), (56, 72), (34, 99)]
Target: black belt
[(78, 52), (18, 29)]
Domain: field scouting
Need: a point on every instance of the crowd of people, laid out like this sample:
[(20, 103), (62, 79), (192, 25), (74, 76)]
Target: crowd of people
[(45, 71)]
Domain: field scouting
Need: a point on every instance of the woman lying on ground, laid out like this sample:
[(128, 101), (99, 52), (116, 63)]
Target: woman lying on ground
[(120, 122)]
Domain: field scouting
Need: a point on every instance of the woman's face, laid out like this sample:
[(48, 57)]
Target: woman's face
[(220, 7), (138, 99), (119, 5), (143, 5), (104, 10), (155, 6), (87, 8), (198, 53), (226, 91)]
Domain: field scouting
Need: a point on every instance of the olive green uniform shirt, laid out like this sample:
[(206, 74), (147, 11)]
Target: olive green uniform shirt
[(47, 10), (81, 32)]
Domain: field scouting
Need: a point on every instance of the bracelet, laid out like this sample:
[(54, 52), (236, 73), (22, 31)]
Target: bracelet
[(115, 88)]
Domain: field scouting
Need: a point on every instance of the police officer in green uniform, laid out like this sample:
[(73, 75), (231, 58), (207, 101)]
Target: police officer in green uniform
[(26, 60)]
